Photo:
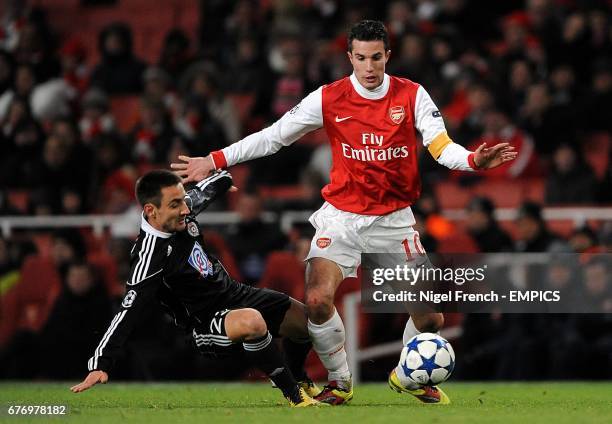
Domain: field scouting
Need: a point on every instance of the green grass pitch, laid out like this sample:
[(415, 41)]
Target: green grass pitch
[(251, 403)]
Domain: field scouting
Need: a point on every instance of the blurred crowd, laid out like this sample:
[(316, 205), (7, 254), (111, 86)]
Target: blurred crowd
[(534, 73)]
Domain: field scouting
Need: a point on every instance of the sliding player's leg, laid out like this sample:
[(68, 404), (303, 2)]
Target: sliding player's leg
[(247, 326), (297, 345)]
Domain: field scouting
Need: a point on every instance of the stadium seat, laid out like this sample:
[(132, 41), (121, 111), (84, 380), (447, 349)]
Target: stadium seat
[(285, 273), (243, 104), (217, 245), (126, 111), (503, 193), (106, 268), (596, 152), (27, 304), (19, 199), (285, 192), (457, 242)]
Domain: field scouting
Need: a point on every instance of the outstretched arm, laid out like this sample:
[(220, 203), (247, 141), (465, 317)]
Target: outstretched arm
[(93, 378), (430, 124), (142, 285), (491, 157), (207, 190), (302, 119)]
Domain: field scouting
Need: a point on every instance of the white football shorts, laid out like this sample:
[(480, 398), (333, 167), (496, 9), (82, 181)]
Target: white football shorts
[(343, 236)]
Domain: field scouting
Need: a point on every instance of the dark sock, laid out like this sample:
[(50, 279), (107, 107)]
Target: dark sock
[(295, 356), (265, 355)]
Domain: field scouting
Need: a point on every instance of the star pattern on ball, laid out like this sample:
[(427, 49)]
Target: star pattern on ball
[(429, 365)]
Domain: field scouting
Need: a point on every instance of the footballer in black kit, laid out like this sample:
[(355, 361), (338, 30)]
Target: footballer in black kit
[(170, 265)]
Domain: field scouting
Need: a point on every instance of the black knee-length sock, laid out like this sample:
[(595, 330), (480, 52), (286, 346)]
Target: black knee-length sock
[(295, 356), (265, 355)]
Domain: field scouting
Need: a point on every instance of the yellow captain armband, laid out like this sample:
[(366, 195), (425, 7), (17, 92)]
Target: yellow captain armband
[(438, 144)]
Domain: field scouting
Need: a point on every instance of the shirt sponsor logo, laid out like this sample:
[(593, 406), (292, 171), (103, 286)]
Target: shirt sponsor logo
[(323, 242), (199, 261), (368, 154), (128, 299), (338, 119), (397, 114)]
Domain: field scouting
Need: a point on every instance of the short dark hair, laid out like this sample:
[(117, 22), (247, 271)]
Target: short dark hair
[(150, 185), (368, 30)]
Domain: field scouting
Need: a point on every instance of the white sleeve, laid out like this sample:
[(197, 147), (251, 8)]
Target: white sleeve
[(427, 118), (307, 116), (455, 156), (429, 122)]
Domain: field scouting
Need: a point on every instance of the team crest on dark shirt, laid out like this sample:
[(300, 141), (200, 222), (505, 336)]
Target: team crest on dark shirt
[(193, 230), (200, 261), (128, 299), (397, 114)]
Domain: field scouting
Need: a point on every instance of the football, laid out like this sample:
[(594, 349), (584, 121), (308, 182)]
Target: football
[(427, 359)]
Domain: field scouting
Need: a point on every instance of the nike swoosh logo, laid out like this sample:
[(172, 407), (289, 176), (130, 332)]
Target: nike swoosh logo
[(342, 119)]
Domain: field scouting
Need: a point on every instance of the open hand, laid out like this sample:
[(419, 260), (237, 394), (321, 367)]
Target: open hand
[(91, 380), (492, 157), (193, 169)]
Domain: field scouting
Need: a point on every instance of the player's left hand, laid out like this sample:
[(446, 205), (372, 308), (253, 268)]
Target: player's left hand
[(91, 380), (491, 157)]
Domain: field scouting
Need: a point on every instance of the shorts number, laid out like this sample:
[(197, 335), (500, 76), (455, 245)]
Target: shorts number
[(416, 242)]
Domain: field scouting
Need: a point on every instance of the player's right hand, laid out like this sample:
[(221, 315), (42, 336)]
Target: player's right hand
[(91, 380), (193, 169)]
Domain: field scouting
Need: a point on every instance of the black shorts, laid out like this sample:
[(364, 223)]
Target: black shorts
[(209, 335)]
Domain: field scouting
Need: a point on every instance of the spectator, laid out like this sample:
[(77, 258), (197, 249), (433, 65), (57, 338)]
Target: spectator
[(583, 240), (483, 228), (158, 86), (175, 55), (97, 119), (74, 70), (251, 239), (203, 80), (67, 246), (499, 129), (549, 124), (571, 180), (119, 72), (23, 85), (245, 69), (21, 146), (153, 135), (200, 132), (596, 114), (80, 313), (533, 235)]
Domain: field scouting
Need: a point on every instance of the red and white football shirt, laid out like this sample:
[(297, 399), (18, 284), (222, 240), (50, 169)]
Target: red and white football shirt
[(373, 139)]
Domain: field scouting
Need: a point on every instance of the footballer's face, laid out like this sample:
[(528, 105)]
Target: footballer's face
[(170, 216), (369, 59)]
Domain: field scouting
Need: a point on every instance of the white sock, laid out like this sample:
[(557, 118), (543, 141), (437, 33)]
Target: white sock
[(328, 341), (409, 331)]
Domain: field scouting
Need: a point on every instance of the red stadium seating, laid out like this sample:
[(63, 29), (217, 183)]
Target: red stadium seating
[(597, 153), (126, 111), (27, 304), (503, 193)]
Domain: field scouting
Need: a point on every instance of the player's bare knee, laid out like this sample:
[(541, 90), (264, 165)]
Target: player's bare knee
[(429, 323), (253, 324), (319, 306)]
